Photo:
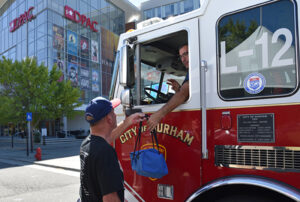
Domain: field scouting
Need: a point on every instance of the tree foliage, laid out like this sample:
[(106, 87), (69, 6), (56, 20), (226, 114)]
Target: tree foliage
[(234, 33), (27, 87)]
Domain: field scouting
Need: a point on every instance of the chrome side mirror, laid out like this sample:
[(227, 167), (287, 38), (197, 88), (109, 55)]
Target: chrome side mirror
[(127, 66), (125, 98), (126, 102)]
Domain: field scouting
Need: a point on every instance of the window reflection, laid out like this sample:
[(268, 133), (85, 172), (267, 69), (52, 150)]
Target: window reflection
[(257, 52), (169, 10), (188, 5)]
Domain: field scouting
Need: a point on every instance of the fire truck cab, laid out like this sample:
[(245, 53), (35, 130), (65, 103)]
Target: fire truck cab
[(237, 136)]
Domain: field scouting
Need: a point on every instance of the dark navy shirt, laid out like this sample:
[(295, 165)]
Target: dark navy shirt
[(186, 78), (100, 170)]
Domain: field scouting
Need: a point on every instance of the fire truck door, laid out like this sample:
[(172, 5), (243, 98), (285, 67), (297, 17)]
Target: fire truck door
[(179, 131)]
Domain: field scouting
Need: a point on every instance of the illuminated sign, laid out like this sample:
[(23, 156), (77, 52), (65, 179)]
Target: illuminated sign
[(75, 16), (19, 21)]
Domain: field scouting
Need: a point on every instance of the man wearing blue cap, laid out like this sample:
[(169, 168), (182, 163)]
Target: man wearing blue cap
[(101, 178)]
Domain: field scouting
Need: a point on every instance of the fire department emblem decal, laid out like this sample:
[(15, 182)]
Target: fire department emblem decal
[(254, 83)]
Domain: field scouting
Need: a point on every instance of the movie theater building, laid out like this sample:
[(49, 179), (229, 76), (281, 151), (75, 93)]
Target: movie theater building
[(80, 36)]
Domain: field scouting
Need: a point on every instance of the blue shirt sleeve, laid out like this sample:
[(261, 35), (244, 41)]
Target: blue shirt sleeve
[(186, 78)]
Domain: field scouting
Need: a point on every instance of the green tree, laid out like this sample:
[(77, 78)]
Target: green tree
[(5, 112), (27, 87), (234, 33)]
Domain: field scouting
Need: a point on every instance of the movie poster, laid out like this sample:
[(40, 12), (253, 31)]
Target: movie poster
[(84, 72), (60, 66), (84, 63), (73, 74), (95, 75), (84, 83), (95, 80), (58, 38), (95, 87), (94, 51), (84, 78), (72, 59), (72, 43), (84, 47)]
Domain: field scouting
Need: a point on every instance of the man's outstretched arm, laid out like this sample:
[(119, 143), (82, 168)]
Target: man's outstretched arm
[(180, 97), (132, 119)]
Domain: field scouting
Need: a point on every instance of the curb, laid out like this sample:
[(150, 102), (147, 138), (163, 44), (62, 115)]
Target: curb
[(40, 164), (54, 166)]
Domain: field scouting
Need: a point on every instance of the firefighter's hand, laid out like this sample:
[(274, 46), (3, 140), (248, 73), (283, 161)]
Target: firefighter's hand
[(135, 118), (175, 85), (153, 121)]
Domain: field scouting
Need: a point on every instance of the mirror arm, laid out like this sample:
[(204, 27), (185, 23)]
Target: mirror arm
[(138, 73), (132, 40)]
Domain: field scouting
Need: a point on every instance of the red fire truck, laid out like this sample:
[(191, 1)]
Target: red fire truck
[(237, 137)]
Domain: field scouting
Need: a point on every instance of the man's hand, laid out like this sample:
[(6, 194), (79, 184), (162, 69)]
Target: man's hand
[(135, 118), (175, 85), (132, 119), (153, 121)]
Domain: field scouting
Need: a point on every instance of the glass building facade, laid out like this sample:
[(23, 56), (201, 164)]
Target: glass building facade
[(85, 56), (171, 9)]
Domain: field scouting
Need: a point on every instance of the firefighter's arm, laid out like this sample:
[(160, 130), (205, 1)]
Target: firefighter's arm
[(180, 97), (111, 197), (132, 119)]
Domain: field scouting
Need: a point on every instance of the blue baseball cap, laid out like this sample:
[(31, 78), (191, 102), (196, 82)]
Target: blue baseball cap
[(98, 108)]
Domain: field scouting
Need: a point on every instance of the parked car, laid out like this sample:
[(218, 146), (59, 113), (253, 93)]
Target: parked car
[(61, 134), (79, 134), (21, 134)]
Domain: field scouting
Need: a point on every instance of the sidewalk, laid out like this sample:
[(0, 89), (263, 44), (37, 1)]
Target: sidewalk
[(59, 154)]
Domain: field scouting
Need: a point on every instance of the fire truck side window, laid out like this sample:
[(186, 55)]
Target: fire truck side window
[(159, 62), (257, 52)]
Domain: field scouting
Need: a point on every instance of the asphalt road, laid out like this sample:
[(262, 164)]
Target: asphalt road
[(34, 183), (4, 165), (27, 182)]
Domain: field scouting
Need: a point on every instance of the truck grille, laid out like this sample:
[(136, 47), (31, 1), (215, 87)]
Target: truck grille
[(258, 157)]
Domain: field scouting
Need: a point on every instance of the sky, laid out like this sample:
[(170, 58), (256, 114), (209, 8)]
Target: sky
[(137, 2)]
